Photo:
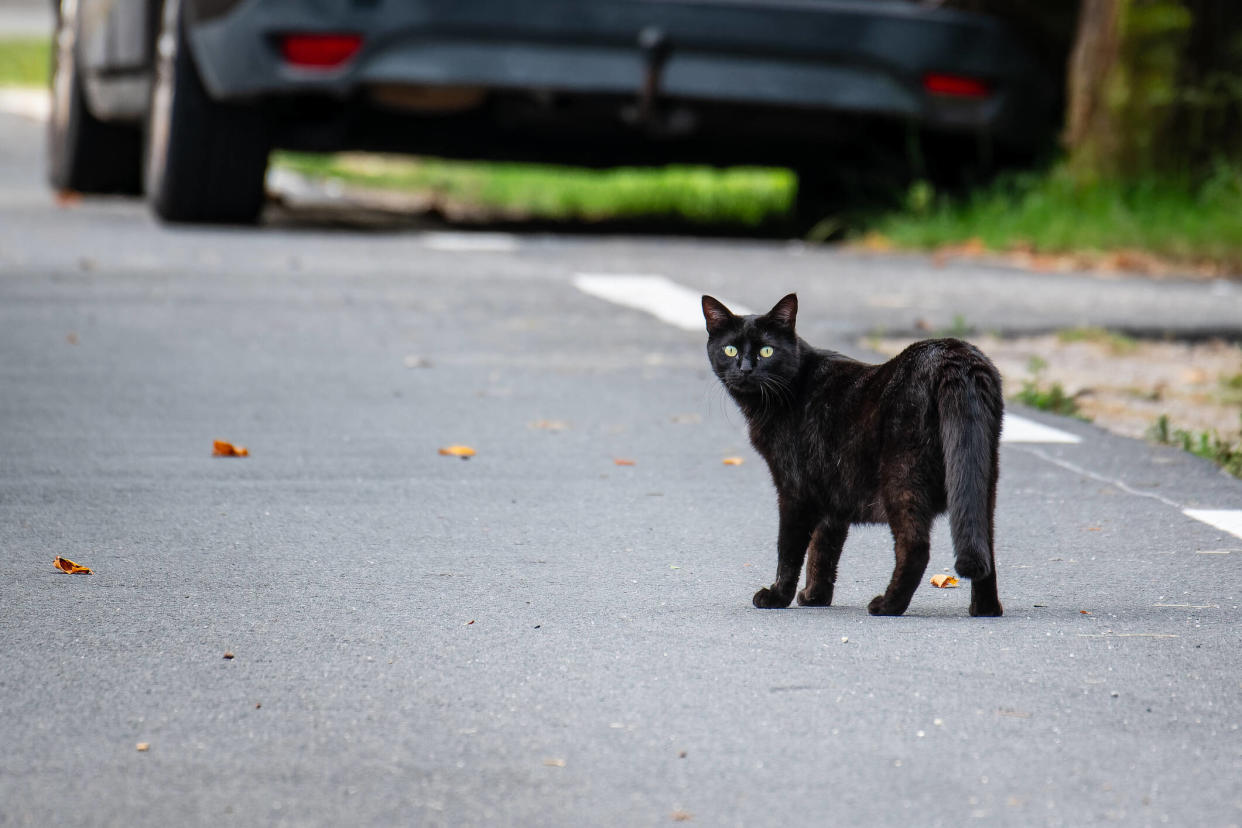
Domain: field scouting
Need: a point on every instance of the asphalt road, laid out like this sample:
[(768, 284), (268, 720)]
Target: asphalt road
[(538, 636)]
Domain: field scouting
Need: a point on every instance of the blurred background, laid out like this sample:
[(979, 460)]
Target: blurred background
[(1102, 130)]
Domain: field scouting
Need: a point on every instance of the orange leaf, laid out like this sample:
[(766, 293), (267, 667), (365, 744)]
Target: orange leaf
[(732, 461), (66, 565), (943, 581), (222, 449), (621, 461), (457, 451)]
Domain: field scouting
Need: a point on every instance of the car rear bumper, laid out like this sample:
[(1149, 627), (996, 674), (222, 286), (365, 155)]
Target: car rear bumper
[(864, 57)]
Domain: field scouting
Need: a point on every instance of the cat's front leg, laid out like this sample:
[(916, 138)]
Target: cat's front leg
[(821, 563), (791, 543)]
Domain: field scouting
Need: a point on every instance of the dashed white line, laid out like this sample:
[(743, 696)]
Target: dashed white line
[(451, 242), (35, 104), (662, 298), (1017, 429), (1226, 520)]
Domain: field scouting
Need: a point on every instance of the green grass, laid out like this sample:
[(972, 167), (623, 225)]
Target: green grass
[(1052, 213), (1048, 398), (745, 196), (1115, 342), (1204, 444), (25, 61)]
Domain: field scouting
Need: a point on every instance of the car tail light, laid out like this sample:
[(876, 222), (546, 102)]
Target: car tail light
[(956, 86), (319, 51)]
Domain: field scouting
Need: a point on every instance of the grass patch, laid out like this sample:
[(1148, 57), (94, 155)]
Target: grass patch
[(25, 61), (1181, 220), (743, 196), (1116, 343), (1048, 398), (1205, 444)]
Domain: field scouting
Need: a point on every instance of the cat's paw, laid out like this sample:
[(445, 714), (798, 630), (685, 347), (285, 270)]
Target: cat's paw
[(768, 598), (880, 605), (986, 609), (817, 597)]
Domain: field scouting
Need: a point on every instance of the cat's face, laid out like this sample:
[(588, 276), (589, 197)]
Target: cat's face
[(756, 355)]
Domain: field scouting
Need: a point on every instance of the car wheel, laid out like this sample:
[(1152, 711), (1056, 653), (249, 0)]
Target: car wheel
[(84, 153), (205, 160)]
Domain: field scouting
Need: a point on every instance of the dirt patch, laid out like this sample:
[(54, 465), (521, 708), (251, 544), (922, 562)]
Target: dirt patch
[(1121, 384)]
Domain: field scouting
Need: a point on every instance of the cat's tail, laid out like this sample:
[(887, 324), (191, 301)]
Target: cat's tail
[(971, 406)]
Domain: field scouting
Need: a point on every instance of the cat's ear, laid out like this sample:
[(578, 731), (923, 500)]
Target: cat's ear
[(785, 312), (716, 314)]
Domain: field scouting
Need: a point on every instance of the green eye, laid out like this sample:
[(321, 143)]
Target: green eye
[(765, 351), (730, 351)]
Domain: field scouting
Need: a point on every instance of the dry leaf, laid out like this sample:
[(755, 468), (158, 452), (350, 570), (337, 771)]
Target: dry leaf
[(554, 763), (682, 816), (66, 565), (732, 461), (550, 425), (943, 581), (68, 198), (457, 451), (143, 747), (621, 461), (220, 448), (229, 656)]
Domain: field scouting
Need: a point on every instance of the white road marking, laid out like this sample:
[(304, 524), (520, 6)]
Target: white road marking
[(35, 104), (1015, 429), (662, 298), (452, 242), (1227, 520)]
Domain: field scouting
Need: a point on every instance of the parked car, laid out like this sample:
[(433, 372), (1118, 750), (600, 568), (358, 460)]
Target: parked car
[(185, 99)]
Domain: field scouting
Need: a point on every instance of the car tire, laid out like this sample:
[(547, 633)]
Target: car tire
[(205, 161), (85, 154)]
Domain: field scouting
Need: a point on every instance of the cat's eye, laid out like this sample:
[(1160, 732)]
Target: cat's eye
[(730, 351), (765, 351)]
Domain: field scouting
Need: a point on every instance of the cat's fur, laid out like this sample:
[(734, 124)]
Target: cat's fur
[(848, 442)]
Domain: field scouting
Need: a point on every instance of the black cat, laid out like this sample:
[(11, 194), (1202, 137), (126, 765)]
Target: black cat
[(847, 442)]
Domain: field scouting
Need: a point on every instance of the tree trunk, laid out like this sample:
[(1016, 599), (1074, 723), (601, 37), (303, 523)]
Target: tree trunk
[(1091, 123)]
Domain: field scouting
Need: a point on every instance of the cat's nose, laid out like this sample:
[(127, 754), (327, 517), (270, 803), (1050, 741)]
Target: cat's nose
[(746, 366)]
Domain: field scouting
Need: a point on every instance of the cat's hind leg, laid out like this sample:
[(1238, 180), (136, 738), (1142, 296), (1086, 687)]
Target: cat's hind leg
[(911, 529), (821, 563)]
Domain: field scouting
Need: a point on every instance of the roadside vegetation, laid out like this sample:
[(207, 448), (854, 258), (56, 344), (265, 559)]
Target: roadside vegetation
[(745, 197), (25, 61), (1181, 220)]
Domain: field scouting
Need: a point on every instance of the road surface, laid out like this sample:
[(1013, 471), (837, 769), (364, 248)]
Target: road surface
[(537, 635)]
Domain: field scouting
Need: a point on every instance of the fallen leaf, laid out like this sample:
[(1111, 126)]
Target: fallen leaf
[(554, 763), (733, 461), (66, 565), (68, 198), (943, 581), (1084, 612), (229, 656), (221, 448), (550, 425), (72, 338), (682, 816), (457, 451), (143, 747), (468, 623), (621, 461)]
